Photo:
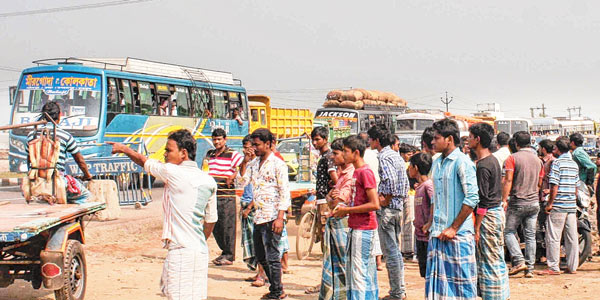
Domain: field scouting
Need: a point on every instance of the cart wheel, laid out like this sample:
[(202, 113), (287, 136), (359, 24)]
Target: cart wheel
[(305, 237), (138, 205), (75, 274)]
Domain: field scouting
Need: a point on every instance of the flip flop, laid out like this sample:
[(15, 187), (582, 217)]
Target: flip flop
[(259, 282)]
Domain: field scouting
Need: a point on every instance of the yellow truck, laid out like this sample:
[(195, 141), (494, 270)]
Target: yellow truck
[(283, 122), (286, 124)]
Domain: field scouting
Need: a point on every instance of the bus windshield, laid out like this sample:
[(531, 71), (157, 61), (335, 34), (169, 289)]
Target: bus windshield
[(78, 95)]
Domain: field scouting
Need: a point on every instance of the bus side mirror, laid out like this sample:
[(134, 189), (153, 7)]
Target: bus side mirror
[(12, 90)]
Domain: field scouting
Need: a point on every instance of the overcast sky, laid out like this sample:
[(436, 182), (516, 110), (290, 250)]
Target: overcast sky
[(516, 53)]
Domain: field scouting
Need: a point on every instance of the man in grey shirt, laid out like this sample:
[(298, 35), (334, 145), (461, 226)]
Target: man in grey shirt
[(522, 181)]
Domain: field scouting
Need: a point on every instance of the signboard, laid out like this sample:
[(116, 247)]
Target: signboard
[(105, 166), (336, 114), (60, 83)]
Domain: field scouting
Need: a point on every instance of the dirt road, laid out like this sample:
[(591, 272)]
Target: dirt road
[(124, 259)]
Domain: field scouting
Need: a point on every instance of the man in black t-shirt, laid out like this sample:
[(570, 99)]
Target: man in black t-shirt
[(326, 172), (489, 221)]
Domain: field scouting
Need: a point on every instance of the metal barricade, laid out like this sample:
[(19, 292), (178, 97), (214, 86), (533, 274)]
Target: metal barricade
[(133, 183)]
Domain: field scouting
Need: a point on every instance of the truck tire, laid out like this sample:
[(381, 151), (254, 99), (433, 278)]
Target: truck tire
[(74, 273)]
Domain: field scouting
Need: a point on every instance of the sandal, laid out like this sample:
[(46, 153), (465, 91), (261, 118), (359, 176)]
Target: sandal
[(313, 289), (251, 278), (548, 272), (259, 282)]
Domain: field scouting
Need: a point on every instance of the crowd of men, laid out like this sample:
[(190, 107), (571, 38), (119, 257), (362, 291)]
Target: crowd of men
[(455, 205)]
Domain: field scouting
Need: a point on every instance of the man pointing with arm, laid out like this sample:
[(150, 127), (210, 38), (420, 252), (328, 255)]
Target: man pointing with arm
[(190, 213)]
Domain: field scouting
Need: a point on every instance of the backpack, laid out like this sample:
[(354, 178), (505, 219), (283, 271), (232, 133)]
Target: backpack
[(43, 181)]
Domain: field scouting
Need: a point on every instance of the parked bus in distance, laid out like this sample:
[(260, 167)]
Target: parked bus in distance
[(581, 125), (128, 100), (410, 126), (512, 125)]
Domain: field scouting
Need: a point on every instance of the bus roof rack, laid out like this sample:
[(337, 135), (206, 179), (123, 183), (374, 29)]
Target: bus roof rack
[(142, 66), (384, 108)]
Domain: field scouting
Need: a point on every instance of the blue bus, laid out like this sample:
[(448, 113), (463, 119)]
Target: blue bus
[(128, 100)]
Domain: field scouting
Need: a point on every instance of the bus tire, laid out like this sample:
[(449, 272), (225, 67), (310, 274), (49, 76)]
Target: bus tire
[(74, 273)]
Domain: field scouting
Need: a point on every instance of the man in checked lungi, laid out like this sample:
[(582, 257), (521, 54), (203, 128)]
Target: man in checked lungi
[(190, 213), (492, 277), (451, 265), (361, 269), (333, 282)]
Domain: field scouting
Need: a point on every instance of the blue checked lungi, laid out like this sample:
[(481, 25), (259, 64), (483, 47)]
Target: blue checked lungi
[(492, 272), (333, 279), (361, 269), (451, 268), (247, 240), (284, 243)]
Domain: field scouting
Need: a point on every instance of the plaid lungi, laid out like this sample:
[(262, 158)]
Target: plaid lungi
[(333, 279), (451, 269), (247, 240), (407, 245), (492, 272), (361, 269), (185, 274), (284, 243)]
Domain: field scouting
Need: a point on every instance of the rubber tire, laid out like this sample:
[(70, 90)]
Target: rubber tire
[(73, 250), (305, 221), (587, 249)]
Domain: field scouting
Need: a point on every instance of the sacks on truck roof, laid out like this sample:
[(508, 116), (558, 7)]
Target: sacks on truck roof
[(331, 103), (352, 104), (352, 95), (335, 98), (334, 95)]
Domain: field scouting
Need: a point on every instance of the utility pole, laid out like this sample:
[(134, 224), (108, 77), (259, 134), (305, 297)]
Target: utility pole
[(542, 108), (446, 101), (574, 108)]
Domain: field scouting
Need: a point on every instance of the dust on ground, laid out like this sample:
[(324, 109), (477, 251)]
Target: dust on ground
[(124, 259)]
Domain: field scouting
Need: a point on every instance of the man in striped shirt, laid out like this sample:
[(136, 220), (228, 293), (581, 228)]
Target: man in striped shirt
[(561, 210), (51, 112), (222, 164)]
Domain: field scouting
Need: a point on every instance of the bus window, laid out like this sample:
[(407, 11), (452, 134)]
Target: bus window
[(145, 99), (235, 104), (180, 102), (112, 104), (220, 110), (244, 112), (201, 105), (125, 97)]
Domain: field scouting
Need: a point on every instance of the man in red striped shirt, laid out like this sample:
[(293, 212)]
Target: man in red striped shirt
[(222, 164)]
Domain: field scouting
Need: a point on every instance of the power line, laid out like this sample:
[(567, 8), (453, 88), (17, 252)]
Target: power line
[(9, 69), (69, 8)]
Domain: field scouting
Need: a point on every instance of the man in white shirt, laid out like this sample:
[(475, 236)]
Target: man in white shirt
[(190, 213), (503, 153), (271, 191)]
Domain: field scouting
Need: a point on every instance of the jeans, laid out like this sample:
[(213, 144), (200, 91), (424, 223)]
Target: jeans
[(390, 221), (526, 216), (555, 225), (266, 250)]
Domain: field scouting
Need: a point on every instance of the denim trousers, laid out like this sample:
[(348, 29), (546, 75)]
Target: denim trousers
[(266, 250), (390, 221), (527, 217)]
